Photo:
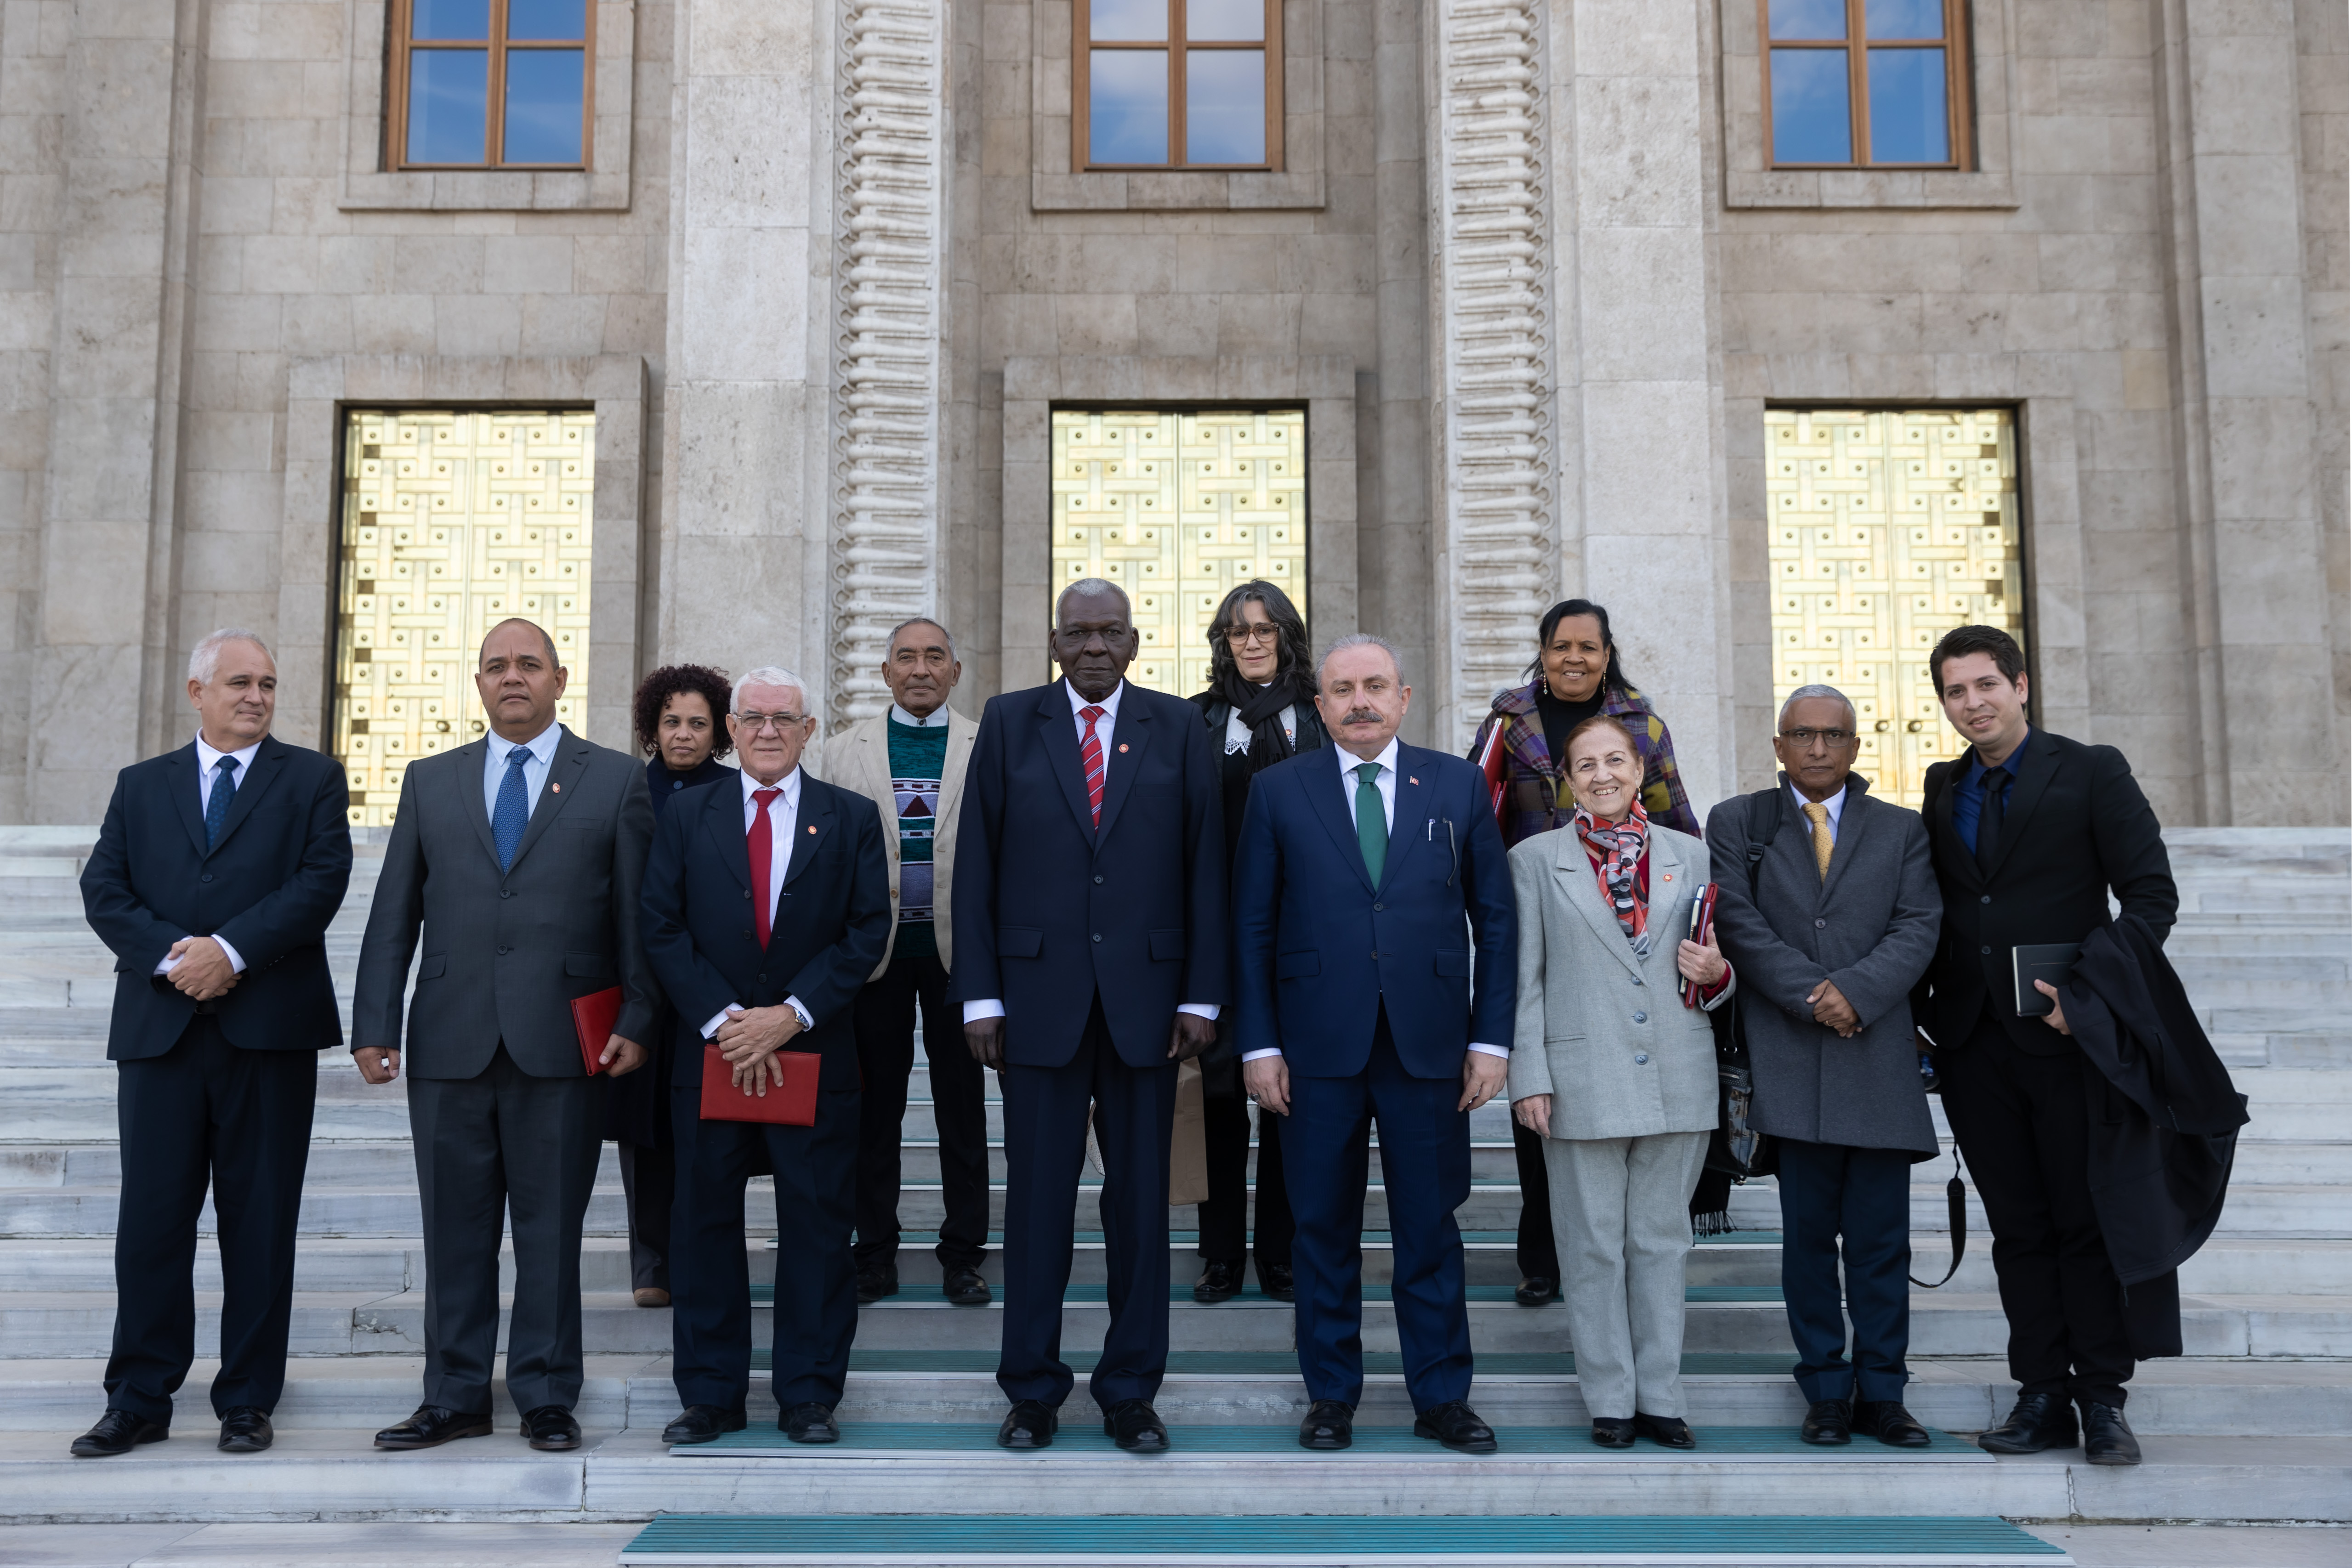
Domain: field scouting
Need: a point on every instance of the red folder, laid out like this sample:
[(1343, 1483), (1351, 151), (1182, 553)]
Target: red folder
[(594, 1016), (791, 1104), (1494, 763)]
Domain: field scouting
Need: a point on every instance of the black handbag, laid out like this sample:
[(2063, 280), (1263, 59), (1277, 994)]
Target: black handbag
[(1736, 1149)]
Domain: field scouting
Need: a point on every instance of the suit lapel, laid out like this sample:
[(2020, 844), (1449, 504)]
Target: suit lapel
[(563, 776), (1853, 821), (2023, 796), (1130, 738), (1673, 881), (1324, 783), (961, 732), (258, 776), (183, 796), (1059, 733), (810, 825), (723, 812), (1945, 839), (1413, 797), (476, 754), (1582, 887)]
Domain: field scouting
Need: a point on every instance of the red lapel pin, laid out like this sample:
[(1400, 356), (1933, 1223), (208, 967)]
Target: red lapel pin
[(1411, 781), (555, 788), (813, 834), (1670, 876), (1122, 746)]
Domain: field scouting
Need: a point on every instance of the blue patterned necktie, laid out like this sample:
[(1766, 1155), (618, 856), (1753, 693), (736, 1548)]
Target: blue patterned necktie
[(216, 809), (513, 814)]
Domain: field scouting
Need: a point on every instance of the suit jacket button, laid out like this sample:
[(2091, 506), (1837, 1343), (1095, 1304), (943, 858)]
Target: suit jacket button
[(1819, 925), (1377, 908), (1637, 980), (746, 892), (1986, 951), (1638, 1017), (1098, 881), (1641, 1059), (208, 876), (763, 979), (504, 951), (1986, 899), (506, 893), (1097, 936)]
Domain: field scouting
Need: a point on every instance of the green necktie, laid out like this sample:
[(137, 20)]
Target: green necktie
[(1372, 820)]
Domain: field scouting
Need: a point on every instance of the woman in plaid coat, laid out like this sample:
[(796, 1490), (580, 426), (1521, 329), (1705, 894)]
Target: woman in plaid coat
[(1576, 674)]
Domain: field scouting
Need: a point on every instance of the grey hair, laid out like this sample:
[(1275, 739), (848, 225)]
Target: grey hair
[(766, 676), (1853, 714), (1362, 639), (204, 662), (920, 621), (1091, 585)]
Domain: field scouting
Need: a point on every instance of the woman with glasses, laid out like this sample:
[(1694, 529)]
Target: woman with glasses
[(1260, 710), (1576, 674)]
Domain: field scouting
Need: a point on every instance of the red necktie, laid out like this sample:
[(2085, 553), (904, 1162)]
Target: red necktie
[(1090, 753), (763, 839)]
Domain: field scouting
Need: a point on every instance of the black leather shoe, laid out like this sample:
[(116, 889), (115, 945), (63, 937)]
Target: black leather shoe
[(1536, 1291), (811, 1423), (1136, 1427), (1218, 1283), (245, 1431), (1828, 1424), (873, 1284), (1666, 1431), (1886, 1420), (118, 1432), (2037, 1421), (1608, 1432), (1457, 1427), (432, 1425), (2108, 1438), (552, 1429), (1330, 1424), (965, 1288), (1030, 1424), (701, 1423), (1273, 1278)]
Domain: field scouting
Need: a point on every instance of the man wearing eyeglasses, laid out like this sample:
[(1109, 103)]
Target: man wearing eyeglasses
[(767, 902), (1830, 929)]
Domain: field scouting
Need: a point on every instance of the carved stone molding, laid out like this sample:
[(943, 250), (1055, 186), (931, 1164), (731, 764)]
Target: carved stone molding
[(1498, 557), (887, 282)]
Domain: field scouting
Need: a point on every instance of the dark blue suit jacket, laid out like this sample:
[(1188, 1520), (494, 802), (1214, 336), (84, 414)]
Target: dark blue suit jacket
[(1049, 912), (826, 937), (269, 887), (1317, 949)]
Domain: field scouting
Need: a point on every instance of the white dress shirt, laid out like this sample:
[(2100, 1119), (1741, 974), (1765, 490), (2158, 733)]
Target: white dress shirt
[(1836, 803), (541, 748), (1385, 782), (208, 758), (993, 1006), (935, 719), (784, 820)]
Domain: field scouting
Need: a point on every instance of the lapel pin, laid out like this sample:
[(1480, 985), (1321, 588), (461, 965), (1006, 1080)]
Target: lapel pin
[(556, 789), (812, 832), (1670, 876), (1411, 781), (1122, 746)]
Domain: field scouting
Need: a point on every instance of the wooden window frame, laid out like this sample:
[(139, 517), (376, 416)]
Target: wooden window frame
[(498, 46), (1175, 45), (1958, 103)]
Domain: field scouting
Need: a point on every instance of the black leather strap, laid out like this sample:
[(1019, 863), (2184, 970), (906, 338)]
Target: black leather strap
[(1956, 1195)]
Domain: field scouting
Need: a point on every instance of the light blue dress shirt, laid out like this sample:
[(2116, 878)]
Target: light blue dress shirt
[(541, 748)]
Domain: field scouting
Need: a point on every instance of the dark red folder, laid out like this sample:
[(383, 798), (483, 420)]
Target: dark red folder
[(594, 1016), (791, 1104)]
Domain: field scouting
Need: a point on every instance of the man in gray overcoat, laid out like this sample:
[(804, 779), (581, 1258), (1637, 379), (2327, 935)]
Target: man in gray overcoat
[(1840, 922)]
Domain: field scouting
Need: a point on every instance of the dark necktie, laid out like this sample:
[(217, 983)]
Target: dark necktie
[(216, 809), (1090, 753), (513, 814), (1989, 815), (762, 838), (1372, 820)]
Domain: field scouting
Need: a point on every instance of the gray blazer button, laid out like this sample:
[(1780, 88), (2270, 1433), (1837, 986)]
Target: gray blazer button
[(1637, 980), (1641, 1059), (1638, 1017)]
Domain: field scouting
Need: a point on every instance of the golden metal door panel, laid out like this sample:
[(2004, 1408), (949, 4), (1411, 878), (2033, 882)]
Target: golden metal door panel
[(1889, 529), (452, 522)]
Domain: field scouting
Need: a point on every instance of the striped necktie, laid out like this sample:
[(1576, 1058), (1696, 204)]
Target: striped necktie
[(1090, 753)]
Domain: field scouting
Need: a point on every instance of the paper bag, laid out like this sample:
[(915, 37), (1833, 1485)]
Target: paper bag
[(1188, 1149)]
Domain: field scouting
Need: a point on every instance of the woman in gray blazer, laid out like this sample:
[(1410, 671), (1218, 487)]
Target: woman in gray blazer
[(1617, 1076)]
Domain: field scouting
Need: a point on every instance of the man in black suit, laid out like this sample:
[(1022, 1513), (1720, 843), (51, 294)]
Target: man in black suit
[(217, 872), (1090, 958), (2030, 833), (767, 903), (517, 857)]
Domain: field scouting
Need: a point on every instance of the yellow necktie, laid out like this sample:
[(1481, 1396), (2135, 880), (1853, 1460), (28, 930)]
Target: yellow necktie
[(1823, 845)]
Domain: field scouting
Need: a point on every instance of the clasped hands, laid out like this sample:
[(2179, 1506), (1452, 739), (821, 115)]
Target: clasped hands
[(202, 972), (749, 1041)]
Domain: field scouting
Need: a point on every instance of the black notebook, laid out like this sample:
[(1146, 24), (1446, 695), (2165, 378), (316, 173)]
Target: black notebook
[(2050, 961)]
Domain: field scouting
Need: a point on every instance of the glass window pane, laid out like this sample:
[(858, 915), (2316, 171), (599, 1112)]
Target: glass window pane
[(1236, 20), (449, 19), (448, 105), (1225, 106), (1903, 18), (1123, 21), (1127, 106), (543, 88), (1811, 121), (1909, 122), (1809, 18), (547, 18)]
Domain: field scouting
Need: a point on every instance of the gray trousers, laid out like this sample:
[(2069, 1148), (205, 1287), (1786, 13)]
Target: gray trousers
[(1621, 1215), (501, 1141)]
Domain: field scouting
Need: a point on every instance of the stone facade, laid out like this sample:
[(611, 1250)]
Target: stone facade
[(831, 269)]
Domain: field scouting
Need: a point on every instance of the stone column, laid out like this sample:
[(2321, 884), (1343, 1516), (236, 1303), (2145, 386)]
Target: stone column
[(2272, 746)]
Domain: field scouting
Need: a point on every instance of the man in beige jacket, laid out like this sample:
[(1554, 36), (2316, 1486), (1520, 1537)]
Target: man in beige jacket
[(911, 762)]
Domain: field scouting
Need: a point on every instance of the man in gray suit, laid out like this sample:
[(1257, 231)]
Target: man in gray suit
[(518, 857), (1830, 930)]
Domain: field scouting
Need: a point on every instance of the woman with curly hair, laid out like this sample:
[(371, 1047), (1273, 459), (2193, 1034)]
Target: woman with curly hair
[(680, 713)]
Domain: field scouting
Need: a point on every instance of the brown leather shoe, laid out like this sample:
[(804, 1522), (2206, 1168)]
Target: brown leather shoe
[(652, 1296)]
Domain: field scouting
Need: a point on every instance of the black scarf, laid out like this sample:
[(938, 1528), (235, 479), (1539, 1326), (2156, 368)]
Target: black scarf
[(1261, 708)]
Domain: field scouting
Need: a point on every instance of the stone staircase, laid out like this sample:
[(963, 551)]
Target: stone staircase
[(2255, 1424)]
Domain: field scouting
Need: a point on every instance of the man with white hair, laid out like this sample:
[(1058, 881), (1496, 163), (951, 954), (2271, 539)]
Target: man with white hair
[(767, 904), (217, 872)]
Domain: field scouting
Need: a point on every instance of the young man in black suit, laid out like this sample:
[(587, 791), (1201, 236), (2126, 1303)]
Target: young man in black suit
[(2030, 833), (217, 872)]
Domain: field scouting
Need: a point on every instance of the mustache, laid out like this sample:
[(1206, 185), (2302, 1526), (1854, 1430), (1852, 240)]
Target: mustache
[(1362, 715)]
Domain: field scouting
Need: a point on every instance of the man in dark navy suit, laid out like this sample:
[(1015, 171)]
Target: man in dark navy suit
[(1364, 869), (767, 902), (215, 874), (1090, 958)]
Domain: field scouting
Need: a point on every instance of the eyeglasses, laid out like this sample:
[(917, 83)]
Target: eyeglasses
[(758, 723), (1243, 633), (1802, 739)]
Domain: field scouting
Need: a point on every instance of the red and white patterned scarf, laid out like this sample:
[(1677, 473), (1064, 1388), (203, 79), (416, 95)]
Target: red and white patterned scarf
[(1619, 849)]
